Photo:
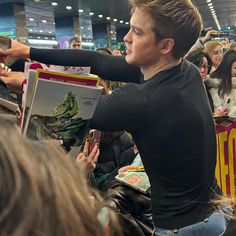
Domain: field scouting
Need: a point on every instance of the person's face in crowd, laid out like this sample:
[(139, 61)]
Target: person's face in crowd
[(76, 44), (203, 68), (216, 55), (142, 49), (233, 69)]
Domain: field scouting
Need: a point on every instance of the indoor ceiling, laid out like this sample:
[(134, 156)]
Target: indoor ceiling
[(224, 10)]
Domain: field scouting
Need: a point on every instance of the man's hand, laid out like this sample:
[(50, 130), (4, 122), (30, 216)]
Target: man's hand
[(17, 50), (13, 80)]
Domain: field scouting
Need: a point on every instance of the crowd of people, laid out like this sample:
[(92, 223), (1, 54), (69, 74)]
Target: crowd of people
[(164, 107)]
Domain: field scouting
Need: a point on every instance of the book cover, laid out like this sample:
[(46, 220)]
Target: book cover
[(61, 111), (68, 78), (136, 179), (33, 71)]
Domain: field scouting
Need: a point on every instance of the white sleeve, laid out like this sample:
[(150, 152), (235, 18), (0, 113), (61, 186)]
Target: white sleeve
[(218, 105)]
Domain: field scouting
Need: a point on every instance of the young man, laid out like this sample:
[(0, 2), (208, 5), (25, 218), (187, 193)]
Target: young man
[(168, 114), (75, 43)]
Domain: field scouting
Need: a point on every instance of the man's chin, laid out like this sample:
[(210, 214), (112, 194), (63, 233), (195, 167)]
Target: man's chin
[(129, 59)]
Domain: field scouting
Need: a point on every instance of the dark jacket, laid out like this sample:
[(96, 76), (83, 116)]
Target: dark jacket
[(116, 151)]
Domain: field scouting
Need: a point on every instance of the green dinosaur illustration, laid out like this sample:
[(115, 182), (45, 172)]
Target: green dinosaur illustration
[(63, 123), (68, 107)]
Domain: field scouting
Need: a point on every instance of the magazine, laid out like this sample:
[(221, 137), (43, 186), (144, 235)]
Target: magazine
[(31, 78), (60, 106), (135, 179)]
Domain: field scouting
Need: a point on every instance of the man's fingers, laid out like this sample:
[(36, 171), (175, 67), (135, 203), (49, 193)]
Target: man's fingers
[(3, 72)]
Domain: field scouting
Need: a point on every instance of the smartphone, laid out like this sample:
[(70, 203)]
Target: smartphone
[(227, 102), (93, 138), (5, 43)]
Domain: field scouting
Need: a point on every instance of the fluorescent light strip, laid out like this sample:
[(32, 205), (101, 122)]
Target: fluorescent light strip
[(211, 7), (89, 44), (42, 42)]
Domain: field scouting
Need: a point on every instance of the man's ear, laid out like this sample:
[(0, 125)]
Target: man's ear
[(167, 45)]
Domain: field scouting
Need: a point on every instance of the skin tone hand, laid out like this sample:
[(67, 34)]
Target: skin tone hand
[(17, 50), (13, 80), (222, 112), (88, 160), (123, 169), (208, 35)]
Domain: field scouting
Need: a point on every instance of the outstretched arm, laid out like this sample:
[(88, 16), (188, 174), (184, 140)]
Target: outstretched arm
[(106, 66)]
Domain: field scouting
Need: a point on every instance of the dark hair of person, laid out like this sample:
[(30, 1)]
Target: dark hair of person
[(196, 57), (223, 72)]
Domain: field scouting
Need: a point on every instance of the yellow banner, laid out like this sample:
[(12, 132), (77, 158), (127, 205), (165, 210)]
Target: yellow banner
[(226, 158)]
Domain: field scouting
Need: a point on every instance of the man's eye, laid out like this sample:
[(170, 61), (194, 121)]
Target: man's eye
[(136, 31)]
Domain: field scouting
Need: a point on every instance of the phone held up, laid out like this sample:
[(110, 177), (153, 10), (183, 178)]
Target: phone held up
[(5, 43), (93, 138)]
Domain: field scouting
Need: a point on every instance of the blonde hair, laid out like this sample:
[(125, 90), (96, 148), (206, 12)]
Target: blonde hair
[(211, 46), (179, 20), (233, 46), (42, 192)]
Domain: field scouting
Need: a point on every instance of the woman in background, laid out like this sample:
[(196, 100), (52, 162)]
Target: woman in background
[(215, 51), (223, 84)]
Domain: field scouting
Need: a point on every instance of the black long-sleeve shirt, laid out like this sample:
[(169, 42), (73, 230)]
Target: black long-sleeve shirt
[(101, 64), (172, 125)]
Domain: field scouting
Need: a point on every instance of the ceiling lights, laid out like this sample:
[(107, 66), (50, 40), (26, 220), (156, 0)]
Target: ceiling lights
[(213, 12), (54, 4), (42, 42), (68, 7)]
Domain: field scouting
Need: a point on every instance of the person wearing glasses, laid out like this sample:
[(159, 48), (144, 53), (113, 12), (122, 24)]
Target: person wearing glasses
[(204, 64)]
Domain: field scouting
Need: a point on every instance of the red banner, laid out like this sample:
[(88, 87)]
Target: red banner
[(226, 157)]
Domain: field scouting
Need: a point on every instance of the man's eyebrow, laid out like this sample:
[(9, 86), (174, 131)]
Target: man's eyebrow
[(136, 28)]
